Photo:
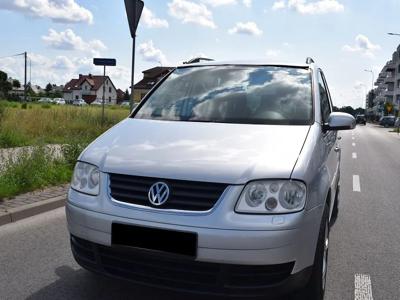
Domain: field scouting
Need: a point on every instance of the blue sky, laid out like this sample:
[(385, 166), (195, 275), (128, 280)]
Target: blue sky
[(62, 36)]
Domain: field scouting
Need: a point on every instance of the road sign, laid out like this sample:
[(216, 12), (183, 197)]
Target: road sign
[(133, 11), (105, 62)]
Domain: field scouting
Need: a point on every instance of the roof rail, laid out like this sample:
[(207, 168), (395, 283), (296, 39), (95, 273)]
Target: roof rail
[(309, 60)]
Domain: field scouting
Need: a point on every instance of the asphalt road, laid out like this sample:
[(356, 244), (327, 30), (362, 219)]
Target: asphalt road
[(364, 262)]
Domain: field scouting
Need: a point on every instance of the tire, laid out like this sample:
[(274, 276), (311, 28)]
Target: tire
[(315, 289)]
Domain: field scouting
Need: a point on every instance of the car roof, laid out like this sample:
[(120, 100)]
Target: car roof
[(249, 63)]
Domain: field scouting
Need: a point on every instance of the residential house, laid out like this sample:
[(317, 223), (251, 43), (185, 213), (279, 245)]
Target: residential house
[(120, 96), (150, 78), (89, 88)]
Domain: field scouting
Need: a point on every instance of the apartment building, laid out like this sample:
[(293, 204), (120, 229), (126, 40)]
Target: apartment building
[(385, 98)]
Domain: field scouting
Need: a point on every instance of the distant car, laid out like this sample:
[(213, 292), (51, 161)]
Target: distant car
[(387, 121), (44, 100), (397, 122), (79, 102), (59, 101), (97, 102), (360, 119)]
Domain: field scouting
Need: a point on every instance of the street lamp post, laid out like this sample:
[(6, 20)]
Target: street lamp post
[(373, 77)]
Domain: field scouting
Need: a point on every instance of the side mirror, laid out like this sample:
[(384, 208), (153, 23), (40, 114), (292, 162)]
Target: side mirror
[(340, 121)]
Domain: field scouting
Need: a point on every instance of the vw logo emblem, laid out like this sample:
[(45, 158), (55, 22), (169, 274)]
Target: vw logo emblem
[(158, 193)]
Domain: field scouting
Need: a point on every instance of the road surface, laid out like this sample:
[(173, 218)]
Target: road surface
[(364, 258)]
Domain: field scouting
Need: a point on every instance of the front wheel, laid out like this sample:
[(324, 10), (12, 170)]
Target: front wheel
[(315, 289)]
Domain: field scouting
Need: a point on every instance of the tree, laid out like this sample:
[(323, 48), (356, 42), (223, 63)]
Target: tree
[(126, 95), (5, 86), (16, 84), (49, 88)]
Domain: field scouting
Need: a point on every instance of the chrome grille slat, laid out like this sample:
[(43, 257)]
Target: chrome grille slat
[(184, 195)]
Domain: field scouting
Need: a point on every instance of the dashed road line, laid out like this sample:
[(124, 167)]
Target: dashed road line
[(353, 144), (362, 287), (353, 138), (356, 183), (354, 155)]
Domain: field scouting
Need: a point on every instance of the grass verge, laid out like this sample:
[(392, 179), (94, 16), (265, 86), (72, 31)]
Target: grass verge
[(36, 168)]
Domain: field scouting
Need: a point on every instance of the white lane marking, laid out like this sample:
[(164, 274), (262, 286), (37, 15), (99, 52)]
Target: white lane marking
[(353, 144), (354, 155), (362, 287), (353, 138), (356, 183)]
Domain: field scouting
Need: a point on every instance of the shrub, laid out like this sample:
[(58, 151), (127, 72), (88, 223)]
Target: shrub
[(24, 106), (46, 106)]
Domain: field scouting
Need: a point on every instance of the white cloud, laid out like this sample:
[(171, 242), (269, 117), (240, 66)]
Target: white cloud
[(150, 53), (310, 8), (151, 21), (61, 69), (249, 28), (60, 11), (362, 45), (191, 12), (247, 3), (278, 5), (68, 40), (215, 3)]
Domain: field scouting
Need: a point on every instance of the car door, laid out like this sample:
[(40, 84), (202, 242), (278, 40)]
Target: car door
[(329, 137)]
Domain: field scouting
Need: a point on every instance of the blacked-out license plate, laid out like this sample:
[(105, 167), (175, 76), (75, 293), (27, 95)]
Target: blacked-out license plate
[(176, 242)]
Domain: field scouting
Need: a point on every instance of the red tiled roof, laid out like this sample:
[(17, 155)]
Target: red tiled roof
[(95, 82)]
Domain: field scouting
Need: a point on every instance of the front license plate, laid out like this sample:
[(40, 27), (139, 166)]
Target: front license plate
[(170, 241)]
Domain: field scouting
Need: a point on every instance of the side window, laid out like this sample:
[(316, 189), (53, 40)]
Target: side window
[(324, 98)]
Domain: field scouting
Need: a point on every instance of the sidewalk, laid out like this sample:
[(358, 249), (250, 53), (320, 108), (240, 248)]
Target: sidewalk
[(33, 203)]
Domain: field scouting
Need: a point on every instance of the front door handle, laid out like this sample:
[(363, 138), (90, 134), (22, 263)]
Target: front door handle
[(337, 149)]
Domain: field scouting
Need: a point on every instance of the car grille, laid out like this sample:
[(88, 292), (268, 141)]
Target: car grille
[(178, 273), (184, 195)]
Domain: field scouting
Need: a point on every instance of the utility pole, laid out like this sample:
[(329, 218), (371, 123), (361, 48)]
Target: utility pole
[(134, 10), (26, 66)]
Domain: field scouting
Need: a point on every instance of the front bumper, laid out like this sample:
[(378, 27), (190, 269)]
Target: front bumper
[(256, 244), (156, 270)]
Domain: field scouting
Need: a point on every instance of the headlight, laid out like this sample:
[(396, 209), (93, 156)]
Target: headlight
[(86, 178), (272, 197)]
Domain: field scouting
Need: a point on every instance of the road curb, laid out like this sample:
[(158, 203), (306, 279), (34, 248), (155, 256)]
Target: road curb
[(29, 210)]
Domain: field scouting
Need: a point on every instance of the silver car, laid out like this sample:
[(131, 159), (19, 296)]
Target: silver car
[(224, 181)]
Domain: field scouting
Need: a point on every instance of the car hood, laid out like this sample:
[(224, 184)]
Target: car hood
[(212, 152)]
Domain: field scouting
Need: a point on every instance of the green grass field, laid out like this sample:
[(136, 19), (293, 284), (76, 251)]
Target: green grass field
[(36, 124)]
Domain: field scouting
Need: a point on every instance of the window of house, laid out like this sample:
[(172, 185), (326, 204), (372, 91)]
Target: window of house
[(109, 99), (109, 89), (324, 98), (76, 97)]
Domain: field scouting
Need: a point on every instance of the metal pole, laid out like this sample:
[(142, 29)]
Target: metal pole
[(104, 96), (133, 74), (25, 55)]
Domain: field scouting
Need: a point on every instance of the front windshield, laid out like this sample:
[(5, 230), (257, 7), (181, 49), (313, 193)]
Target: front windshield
[(233, 94)]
